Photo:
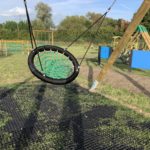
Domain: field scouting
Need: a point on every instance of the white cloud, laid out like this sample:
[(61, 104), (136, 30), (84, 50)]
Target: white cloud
[(73, 2), (17, 11)]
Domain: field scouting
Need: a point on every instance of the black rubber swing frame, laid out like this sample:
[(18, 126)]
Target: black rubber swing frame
[(45, 78)]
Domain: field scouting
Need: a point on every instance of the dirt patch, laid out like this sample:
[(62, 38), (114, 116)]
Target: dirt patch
[(118, 79)]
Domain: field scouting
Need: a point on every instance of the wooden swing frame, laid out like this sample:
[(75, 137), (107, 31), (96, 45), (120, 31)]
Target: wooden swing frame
[(144, 8)]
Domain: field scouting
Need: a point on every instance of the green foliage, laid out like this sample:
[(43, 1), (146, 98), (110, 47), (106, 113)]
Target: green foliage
[(69, 28), (146, 21), (72, 26), (23, 25), (10, 25), (92, 16), (37, 24), (12, 30)]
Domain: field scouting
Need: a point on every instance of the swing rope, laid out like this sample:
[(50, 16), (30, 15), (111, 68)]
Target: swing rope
[(92, 40), (32, 38), (54, 64), (100, 20)]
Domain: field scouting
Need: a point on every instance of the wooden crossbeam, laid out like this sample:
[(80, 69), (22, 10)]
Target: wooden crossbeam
[(50, 34), (132, 41), (146, 37), (45, 31), (123, 42)]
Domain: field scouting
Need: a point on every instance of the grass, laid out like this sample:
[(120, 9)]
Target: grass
[(122, 96), (61, 115), (125, 68), (14, 69), (76, 111)]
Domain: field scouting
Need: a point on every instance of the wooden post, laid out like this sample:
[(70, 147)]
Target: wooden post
[(6, 52), (52, 37), (123, 42)]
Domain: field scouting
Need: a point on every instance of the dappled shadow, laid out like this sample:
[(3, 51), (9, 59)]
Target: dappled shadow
[(121, 66), (135, 83), (69, 117), (28, 127), (92, 60), (75, 124), (5, 92), (10, 106)]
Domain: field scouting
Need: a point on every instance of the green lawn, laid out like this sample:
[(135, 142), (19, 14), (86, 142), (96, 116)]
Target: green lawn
[(59, 117), (38, 115)]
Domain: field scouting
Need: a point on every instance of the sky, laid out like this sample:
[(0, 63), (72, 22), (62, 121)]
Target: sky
[(14, 9)]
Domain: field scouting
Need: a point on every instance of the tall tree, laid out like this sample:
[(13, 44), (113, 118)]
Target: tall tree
[(71, 27), (10, 25), (92, 16), (44, 15)]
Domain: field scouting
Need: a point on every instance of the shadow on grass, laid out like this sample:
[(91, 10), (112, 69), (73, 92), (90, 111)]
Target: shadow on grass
[(28, 127), (75, 124), (71, 119), (5, 92), (135, 83), (74, 119), (94, 61), (121, 66), (127, 68)]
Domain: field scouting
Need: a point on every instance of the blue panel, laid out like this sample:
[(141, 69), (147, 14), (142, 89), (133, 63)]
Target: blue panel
[(140, 59), (105, 52)]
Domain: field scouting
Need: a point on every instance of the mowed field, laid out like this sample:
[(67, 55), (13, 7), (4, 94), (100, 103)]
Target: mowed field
[(36, 115)]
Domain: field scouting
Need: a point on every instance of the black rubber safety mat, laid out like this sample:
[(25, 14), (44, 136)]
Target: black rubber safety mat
[(39, 116)]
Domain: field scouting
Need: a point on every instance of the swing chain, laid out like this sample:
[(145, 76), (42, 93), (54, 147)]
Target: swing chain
[(101, 18)]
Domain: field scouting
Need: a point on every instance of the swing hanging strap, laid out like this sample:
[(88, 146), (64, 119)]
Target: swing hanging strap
[(94, 23), (32, 38), (92, 40), (100, 20)]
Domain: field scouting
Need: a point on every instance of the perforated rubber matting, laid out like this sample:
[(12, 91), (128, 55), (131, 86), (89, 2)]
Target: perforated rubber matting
[(39, 116)]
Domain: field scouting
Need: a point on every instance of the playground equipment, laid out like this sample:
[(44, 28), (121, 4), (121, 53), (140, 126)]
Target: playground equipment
[(123, 42), (115, 41), (143, 33), (44, 36), (13, 46), (54, 64), (140, 56), (3, 48), (139, 40)]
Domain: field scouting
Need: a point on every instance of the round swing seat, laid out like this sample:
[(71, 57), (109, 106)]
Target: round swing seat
[(53, 64)]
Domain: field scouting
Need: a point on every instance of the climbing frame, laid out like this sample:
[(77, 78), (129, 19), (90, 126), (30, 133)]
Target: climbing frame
[(123, 42)]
